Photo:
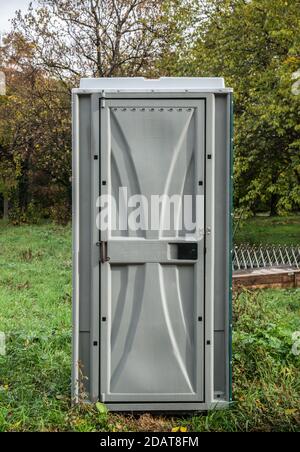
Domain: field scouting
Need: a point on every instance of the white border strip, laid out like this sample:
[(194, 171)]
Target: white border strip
[(75, 228)]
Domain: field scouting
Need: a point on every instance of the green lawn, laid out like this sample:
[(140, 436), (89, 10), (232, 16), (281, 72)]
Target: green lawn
[(35, 314), (271, 230)]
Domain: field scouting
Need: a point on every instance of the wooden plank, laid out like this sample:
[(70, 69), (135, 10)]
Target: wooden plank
[(256, 280), (297, 279)]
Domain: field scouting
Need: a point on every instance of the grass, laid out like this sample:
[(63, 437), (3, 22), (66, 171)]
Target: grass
[(270, 230), (35, 314)]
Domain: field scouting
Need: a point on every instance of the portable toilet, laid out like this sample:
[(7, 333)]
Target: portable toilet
[(152, 195)]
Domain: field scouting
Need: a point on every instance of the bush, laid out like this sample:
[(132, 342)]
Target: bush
[(61, 213)]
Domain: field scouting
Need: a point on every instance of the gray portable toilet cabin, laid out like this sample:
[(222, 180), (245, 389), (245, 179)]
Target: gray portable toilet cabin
[(152, 305)]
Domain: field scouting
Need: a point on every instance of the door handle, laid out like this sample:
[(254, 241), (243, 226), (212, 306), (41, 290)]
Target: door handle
[(103, 252)]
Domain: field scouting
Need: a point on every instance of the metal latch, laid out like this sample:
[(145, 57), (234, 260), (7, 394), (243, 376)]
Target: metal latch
[(103, 252)]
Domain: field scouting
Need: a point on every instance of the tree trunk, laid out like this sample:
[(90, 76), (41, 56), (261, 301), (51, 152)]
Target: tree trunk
[(5, 207), (23, 185), (273, 205)]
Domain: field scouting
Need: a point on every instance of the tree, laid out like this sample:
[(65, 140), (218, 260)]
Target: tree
[(255, 46), (94, 38), (51, 48), (35, 132)]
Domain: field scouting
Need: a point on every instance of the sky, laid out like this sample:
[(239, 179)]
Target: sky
[(7, 11)]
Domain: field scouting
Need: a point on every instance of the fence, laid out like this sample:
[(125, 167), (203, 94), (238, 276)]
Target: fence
[(247, 256)]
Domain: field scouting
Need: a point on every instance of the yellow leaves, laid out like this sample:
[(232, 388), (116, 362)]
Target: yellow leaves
[(290, 411), (179, 429), (117, 428), (292, 60), (260, 405), (77, 422), (12, 97), (286, 372), (4, 388), (15, 426), (18, 165)]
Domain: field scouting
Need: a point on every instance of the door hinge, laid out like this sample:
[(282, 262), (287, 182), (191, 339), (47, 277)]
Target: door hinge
[(102, 101), (208, 231)]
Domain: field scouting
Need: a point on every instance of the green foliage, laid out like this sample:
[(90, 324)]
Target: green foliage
[(265, 372), (35, 314), (60, 213), (34, 214), (101, 407), (35, 135), (269, 230), (255, 46)]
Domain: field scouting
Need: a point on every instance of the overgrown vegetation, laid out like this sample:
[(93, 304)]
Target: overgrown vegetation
[(35, 314)]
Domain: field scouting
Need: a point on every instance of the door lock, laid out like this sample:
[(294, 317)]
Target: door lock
[(187, 251)]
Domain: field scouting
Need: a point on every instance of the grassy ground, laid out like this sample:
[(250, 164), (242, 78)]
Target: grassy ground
[(274, 230), (35, 314)]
